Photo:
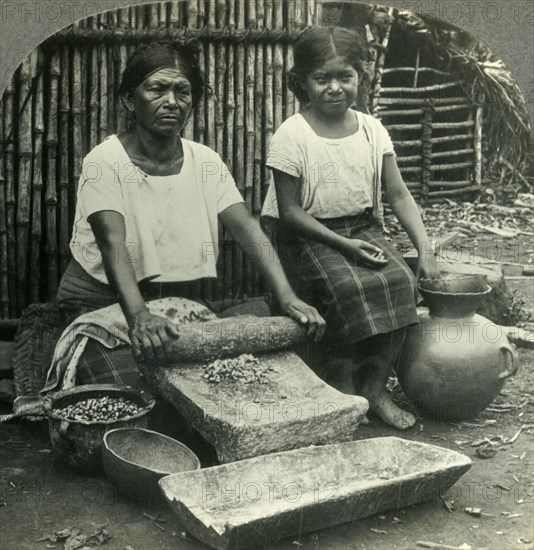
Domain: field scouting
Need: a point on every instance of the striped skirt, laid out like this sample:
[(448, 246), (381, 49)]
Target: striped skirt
[(356, 301)]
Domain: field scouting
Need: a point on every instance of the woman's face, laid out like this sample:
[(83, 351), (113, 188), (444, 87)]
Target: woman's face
[(163, 101), (332, 87)]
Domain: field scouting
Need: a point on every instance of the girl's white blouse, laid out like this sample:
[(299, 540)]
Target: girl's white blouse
[(338, 175)]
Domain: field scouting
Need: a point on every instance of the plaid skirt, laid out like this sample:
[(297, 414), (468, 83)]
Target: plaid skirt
[(356, 301), (80, 293)]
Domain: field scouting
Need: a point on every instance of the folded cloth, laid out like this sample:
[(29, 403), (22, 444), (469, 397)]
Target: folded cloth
[(109, 327)]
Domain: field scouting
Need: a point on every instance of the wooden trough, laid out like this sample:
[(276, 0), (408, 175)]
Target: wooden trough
[(267, 498)]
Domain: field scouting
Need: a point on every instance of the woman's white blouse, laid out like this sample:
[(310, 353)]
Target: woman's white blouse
[(171, 221)]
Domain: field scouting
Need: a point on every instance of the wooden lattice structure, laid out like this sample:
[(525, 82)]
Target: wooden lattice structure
[(436, 128), (63, 100)]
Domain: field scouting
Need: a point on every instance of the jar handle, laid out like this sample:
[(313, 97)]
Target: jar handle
[(510, 360)]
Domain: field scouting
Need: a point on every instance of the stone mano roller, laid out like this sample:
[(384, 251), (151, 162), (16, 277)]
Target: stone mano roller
[(232, 336)]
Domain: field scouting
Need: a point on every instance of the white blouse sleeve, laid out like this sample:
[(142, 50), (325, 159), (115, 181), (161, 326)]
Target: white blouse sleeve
[(284, 154), (99, 188), (227, 192), (385, 140)]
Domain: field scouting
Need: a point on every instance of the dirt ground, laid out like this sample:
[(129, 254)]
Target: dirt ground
[(39, 495)]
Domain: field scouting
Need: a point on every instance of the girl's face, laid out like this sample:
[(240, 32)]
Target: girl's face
[(332, 87), (163, 101)]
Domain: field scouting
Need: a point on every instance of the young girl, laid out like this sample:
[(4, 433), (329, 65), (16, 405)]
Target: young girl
[(330, 164)]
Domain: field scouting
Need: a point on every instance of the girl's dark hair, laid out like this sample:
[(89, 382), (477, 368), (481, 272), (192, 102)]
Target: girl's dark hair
[(151, 57), (315, 45)]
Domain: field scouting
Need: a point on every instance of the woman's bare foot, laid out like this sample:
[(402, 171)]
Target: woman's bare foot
[(383, 407)]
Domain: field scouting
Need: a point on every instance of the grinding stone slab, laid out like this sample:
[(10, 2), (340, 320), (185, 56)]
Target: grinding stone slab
[(264, 499), (293, 408)]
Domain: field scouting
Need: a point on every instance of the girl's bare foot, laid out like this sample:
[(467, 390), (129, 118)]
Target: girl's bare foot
[(383, 407), (381, 404), (372, 367)]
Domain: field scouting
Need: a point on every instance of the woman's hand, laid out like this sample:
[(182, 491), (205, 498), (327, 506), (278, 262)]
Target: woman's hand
[(304, 314), (364, 253), (149, 334), (428, 266)]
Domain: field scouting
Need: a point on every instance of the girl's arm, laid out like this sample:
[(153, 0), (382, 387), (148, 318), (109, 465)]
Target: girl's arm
[(405, 209), (148, 332), (246, 231), (295, 218)]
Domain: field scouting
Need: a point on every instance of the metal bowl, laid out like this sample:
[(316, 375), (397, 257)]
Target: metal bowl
[(136, 459), (79, 442)]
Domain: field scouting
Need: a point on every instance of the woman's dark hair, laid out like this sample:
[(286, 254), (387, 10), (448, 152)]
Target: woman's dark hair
[(158, 55), (315, 45)]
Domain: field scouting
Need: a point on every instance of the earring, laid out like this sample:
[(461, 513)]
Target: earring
[(128, 104)]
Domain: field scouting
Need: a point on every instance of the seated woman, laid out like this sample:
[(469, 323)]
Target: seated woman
[(146, 222)]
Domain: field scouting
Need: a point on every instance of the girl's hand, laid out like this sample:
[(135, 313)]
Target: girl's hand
[(428, 267), (365, 253), (149, 334), (304, 314)]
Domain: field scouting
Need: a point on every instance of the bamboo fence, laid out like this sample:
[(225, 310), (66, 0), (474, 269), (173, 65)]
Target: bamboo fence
[(63, 100)]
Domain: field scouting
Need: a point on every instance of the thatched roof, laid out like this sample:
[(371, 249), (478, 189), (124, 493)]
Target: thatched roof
[(488, 81)]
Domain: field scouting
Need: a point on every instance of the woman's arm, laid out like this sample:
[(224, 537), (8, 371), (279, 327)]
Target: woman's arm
[(405, 209), (246, 231), (295, 218), (148, 333)]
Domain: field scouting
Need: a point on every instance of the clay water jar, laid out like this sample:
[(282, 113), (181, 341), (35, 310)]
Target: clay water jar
[(454, 362)]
